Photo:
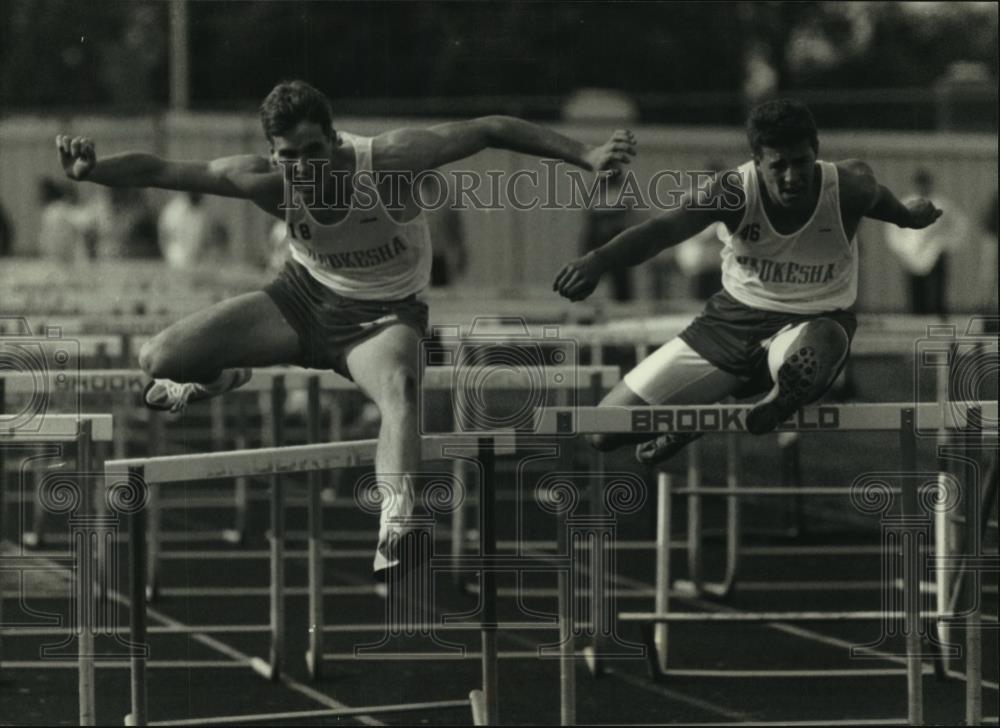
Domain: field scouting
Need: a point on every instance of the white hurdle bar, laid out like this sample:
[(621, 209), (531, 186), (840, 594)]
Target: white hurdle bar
[(275, 382), (884, 417), (274, 462), (82, 430), (971, 418)]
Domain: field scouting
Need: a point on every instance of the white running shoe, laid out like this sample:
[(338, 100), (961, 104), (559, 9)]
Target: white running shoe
[(396, 542), (170, 396)]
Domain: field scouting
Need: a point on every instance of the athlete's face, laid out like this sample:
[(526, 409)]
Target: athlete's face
[(789, 174), (302, 150)]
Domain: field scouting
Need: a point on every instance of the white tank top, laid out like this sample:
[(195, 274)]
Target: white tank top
[(368, 255), (811, 270)]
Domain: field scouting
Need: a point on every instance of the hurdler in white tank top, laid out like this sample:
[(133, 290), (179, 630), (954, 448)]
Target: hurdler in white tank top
[(811, 270), (368, 255)]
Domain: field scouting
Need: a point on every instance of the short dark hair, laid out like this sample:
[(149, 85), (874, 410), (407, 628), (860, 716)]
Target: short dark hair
[(291, 102), (779, 123)]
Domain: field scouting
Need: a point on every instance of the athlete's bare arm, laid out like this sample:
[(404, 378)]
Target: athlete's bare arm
[(417, 150), (861, 195), (246, 176), (579, 278)]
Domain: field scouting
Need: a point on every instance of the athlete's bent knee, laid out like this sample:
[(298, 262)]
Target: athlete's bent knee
[(827, 336)]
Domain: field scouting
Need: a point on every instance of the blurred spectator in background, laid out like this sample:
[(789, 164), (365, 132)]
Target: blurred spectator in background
[(6, 234), (447, 241), (607, 217), (124, 224), (188, 233), (924, 253), (62, 224), (699, 258)]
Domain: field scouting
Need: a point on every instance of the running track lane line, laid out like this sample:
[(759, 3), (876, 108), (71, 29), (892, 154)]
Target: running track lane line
[(234, 654), (807, 634)]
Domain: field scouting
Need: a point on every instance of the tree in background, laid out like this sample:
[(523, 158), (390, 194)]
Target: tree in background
[(68, 53), (71, 54)]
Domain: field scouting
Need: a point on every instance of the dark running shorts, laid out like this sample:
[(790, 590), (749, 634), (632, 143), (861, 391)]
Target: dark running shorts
[(329, 324), (728, 334)]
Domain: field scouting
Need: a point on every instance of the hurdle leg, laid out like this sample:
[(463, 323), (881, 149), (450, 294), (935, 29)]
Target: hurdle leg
[(157, 437), (663, 532), (791, 473), (595, 649), (911, 574), (566, 593), (273, 669), (314, 655), (734, 472), (944, 529), (137, 607), (85, 615), (459, 512), (153, 552), (104, 546), (336, 435), (693, 584), (567, 662), (35, 538), (942, 550), (973, 594), (484, 702), (458, 525), (237, 533)]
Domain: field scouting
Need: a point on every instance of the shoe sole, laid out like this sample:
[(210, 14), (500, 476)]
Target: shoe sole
[(795, 378)]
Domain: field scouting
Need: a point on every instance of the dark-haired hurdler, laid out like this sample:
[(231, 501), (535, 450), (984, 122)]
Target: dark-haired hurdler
[(348, 297), (781, 325)]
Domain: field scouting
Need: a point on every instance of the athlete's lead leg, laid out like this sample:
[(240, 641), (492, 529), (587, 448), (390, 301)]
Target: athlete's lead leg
[(673, 374), (212, 351), (804, 362)]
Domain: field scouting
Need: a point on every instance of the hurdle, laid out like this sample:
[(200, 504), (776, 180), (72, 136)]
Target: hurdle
[(81, 430), (122, 386), (972, 419), (878, 335), (273, 462), (310, 458), (273, 383)]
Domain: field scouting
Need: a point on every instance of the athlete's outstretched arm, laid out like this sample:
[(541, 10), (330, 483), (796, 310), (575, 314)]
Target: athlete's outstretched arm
[(874, 200), (244, 176), (639, 243), (633, 246), (421, 149)]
